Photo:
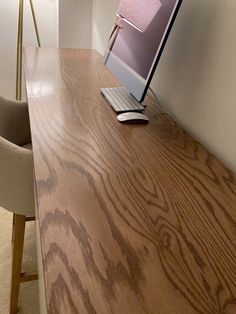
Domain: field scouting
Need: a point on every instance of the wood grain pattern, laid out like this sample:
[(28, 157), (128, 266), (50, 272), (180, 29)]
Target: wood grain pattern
[(133, 218)]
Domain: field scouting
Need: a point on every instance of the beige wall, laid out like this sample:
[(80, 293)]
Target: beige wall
[(75, 23), (46, 12), (196, 78)]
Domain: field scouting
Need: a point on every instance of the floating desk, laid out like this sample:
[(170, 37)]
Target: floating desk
[(132, 218)]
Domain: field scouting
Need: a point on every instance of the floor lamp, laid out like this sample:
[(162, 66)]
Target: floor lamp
[(20, 44)]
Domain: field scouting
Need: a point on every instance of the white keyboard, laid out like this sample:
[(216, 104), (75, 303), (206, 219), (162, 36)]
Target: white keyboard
[(121, 100)]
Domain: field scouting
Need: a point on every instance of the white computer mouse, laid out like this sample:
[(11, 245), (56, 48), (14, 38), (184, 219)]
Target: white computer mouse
[(132, 117)]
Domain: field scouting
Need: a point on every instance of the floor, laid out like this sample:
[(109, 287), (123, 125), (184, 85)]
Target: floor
[(28, 301)]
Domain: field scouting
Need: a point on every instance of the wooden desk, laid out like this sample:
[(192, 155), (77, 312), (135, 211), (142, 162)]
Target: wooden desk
[(133, 218)]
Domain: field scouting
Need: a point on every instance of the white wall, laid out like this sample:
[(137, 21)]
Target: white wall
[(75, 23), (196, 77), (46, 13)]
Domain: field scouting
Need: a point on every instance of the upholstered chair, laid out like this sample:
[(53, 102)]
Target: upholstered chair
[(16, 182)]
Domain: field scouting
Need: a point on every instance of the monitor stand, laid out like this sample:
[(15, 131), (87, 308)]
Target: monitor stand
[(121, 100)]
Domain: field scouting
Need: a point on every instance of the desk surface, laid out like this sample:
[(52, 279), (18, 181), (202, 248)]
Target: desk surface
[(133, 218)]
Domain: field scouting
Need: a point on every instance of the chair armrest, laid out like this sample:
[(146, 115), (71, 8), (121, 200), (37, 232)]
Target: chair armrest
[(16, 179), (14, 121)]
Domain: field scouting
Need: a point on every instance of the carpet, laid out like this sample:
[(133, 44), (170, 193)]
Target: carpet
[(28, 298)]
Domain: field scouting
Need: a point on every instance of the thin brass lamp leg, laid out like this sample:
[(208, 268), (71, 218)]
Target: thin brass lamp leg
[(19, 50), (35, 22)]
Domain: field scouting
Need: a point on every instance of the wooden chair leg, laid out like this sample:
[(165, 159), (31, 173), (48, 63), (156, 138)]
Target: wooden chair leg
[(18, 244), (13, 224)]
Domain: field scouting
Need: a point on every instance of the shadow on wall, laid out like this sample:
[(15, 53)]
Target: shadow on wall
[(188, 50)]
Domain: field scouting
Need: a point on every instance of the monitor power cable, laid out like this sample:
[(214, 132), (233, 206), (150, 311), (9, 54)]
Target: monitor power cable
[(160, 104)]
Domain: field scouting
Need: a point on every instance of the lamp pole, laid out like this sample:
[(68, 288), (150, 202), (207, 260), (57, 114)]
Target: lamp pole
[(20, 44), (35, 22)]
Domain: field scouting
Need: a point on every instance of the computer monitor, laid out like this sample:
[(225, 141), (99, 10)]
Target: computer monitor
[(137, 41)]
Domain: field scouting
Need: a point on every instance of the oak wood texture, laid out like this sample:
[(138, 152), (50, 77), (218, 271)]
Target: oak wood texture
[(133, 218)]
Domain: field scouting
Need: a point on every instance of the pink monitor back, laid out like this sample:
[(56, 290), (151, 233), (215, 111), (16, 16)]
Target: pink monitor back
[(139, 12)]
